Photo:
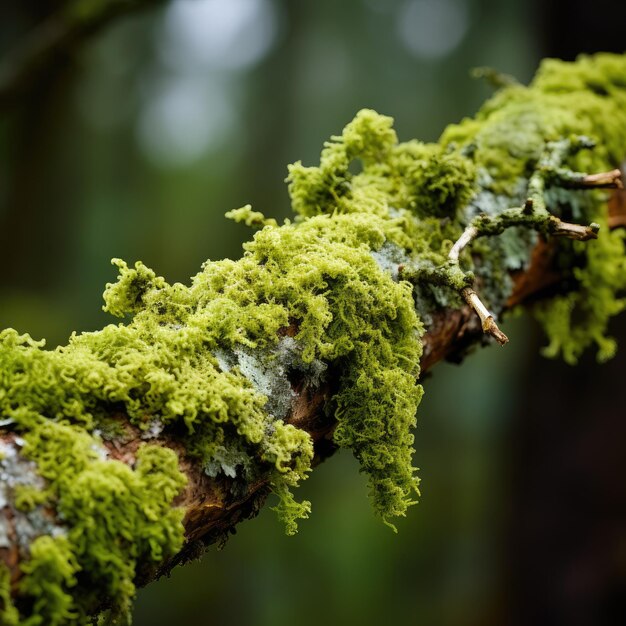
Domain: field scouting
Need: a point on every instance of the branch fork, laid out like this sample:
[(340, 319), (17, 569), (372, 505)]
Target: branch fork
[(533, 214)]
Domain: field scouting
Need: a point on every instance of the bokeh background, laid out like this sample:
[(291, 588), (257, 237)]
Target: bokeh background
[(134, 142)]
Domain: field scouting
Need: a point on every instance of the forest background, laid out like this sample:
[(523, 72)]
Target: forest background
[(136, 144)]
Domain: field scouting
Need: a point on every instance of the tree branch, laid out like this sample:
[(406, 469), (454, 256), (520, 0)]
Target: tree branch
[(129, 450)]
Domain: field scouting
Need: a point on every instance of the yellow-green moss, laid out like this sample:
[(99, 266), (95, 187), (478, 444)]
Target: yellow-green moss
[(506, 140), (163, 367), (48, 576), (112, 517), (208, 364), (9, 615)]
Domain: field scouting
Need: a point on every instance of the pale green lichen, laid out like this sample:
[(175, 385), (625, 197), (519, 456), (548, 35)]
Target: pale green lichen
[(506, 141), (198, 362)]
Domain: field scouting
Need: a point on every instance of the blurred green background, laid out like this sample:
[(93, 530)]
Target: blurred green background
[(135, 142)]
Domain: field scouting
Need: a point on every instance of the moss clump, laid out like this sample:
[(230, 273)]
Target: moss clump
[(112, 517), (506, 140), (201, 363), (423, 177), (9, 615), (579, 319), (48, 575), (116, 515)]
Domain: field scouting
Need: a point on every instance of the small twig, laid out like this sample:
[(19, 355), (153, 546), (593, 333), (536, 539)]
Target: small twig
[(469, 234), (608, 180), (487, 320), (580, 232)]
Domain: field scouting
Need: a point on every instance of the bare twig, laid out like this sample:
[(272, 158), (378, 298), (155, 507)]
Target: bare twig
[(580, 232), (602, 180), (469, 234), (487, 320)]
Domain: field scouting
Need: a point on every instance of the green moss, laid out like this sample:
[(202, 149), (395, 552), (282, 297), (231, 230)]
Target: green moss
[(508, 135), (208, 363), (115, 516), (289, 511), (579, 319), (163, 365), (48, 576), (9, 615), (507, 139), (28, 497), (253, 219)]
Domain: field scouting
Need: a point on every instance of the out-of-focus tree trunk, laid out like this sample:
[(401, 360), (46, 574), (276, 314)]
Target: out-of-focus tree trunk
[(564, 555)]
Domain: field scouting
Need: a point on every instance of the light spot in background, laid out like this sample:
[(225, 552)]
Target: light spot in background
[(218, 34), (205, 46), (183, 119), (432, 29)]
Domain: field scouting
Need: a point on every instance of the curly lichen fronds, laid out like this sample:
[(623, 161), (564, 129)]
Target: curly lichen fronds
[(206, 375)]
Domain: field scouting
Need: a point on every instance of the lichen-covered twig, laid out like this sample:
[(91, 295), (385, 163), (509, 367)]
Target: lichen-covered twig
[(534, 215)]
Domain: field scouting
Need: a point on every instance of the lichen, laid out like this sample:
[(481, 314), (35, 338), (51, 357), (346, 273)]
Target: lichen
[(506, 140), (339, 296)]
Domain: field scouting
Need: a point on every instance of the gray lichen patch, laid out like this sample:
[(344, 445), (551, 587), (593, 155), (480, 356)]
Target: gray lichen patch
[(389, 257), (269, 369), (232, 461), (288, 352), (266, 374), (20, 487)]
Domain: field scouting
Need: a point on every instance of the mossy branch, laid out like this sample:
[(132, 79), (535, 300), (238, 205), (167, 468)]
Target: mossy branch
[(534, 215), (130, 449)]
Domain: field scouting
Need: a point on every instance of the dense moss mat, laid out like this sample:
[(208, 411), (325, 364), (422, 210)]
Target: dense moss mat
[(209, 364)]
